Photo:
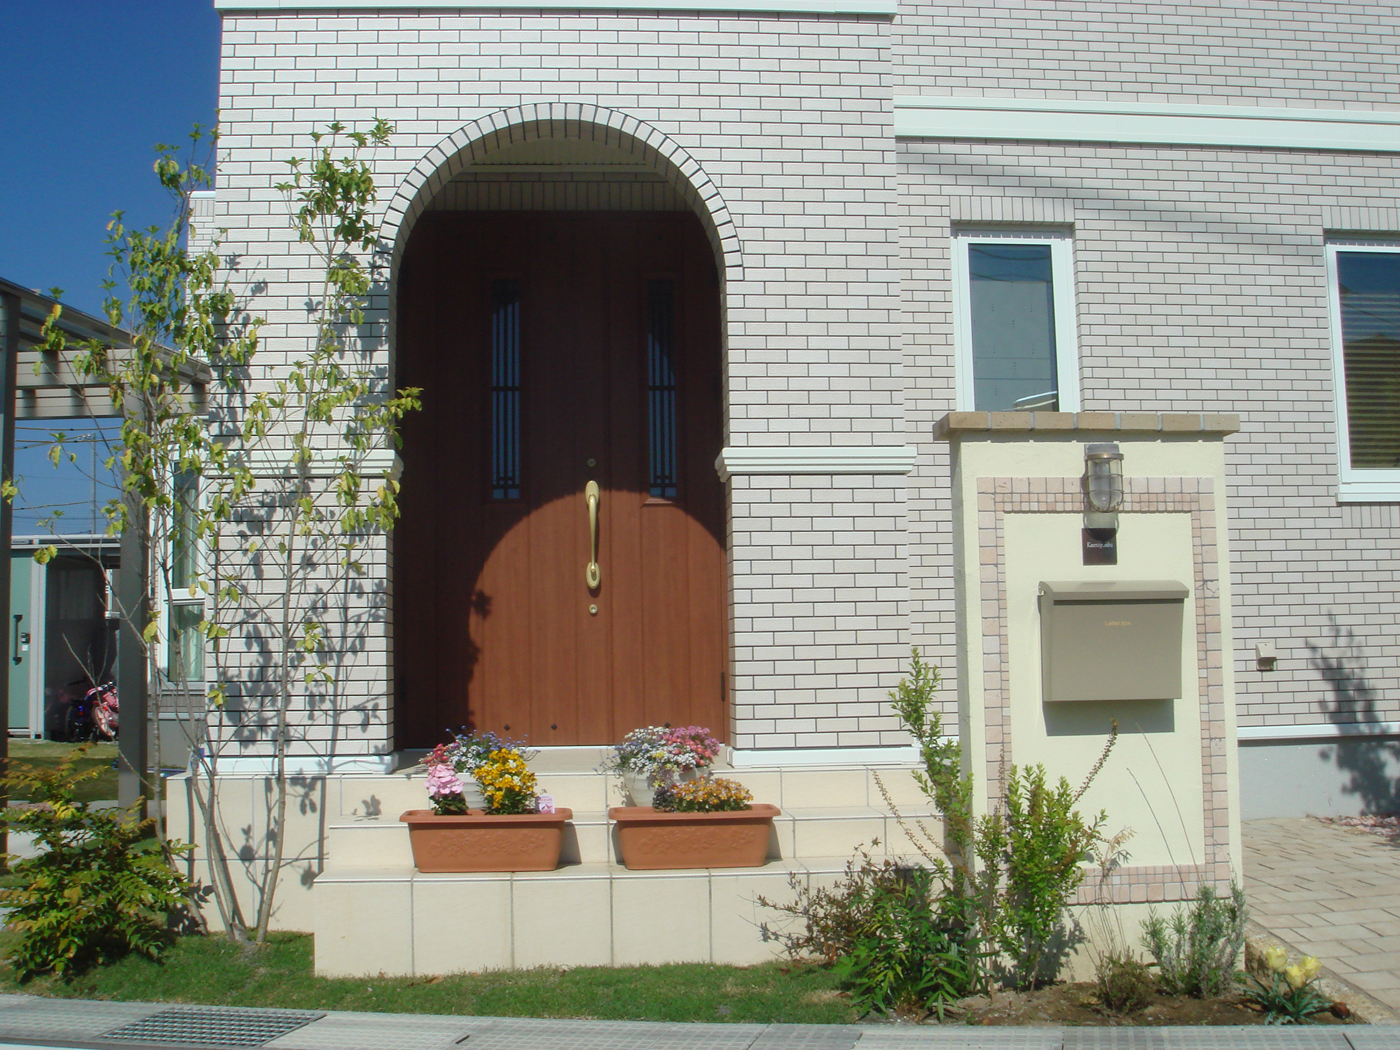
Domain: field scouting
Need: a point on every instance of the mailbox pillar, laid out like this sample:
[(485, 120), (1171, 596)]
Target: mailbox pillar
[(1072, 617)]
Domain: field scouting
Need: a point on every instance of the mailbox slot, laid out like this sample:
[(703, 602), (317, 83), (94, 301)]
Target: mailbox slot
[(1118, 640)]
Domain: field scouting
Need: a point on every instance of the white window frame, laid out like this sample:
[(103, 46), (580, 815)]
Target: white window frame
[(181, 597), (1066, 322), (1354, 485)]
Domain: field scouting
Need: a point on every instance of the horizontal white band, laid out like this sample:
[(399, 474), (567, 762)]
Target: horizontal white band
[(816, 459), (824, 756), (1149, 123), (886, 8), (1368, 492), (1318, 731), (265, 463), (307, 765)]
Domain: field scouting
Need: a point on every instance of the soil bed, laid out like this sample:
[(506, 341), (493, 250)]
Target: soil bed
[(1078, 1004)]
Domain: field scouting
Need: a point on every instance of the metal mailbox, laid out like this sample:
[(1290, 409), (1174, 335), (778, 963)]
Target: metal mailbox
[(1117, 640)]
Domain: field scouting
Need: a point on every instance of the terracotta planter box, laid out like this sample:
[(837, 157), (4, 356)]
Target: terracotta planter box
[(649, 840), (477, 841)]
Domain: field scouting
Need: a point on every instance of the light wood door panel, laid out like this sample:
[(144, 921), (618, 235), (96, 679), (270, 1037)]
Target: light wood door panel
[(492, 621)]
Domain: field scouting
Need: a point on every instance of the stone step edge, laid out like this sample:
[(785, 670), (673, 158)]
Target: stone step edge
[(587, 870), (601, 817)]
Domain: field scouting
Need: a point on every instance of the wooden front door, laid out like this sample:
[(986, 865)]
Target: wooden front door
[(555, 350)]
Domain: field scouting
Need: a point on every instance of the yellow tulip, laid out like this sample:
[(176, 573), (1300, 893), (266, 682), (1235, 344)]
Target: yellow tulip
[(1295, 976), (1275, 958), (1309, 965)]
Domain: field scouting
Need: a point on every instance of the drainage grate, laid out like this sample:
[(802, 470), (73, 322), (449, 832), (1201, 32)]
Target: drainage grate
[(196, 1026)]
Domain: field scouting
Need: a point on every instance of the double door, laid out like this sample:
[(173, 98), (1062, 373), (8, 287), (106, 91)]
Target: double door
[(559, 566)]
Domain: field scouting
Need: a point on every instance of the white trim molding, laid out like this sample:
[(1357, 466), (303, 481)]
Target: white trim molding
[(780, 758), (307, 765), (882, 8), (816, 459), (1319, 731), (1148, 123)]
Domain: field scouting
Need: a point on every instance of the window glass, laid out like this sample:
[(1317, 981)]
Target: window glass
[(185, 655), (1011, 293), (1368, 302), (505, 390), (661, 388), (183, 533)]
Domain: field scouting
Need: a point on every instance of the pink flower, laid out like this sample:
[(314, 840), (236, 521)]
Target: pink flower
[(443, 781)]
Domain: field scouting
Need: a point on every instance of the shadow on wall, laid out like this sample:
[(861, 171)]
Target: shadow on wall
[(1367, 756)]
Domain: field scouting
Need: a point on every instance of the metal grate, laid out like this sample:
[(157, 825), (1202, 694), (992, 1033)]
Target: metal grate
[(202, 1026)]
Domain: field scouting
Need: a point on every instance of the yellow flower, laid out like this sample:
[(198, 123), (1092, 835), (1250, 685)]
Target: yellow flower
[(1309, 965), (1295, 976), (1275, 958)]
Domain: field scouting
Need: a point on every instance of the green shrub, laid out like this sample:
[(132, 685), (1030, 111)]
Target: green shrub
[(101, 886), (1125, 983), (1037, 840), (1196, 949), (1027, 850), (910, 954), (825, 921)]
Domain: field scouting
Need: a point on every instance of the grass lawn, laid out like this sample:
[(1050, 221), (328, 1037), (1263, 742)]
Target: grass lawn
[(48, 753), (212, 971)]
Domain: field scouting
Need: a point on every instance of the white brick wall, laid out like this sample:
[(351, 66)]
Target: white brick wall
[(1314, 52), (1199, 281), (790, 118), (1200, 285)]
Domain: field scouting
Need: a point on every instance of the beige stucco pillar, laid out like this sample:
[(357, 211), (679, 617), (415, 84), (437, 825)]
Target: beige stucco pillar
[(1019, 514)]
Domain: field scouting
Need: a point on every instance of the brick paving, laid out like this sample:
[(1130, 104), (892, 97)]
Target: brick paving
[(1333, 892)]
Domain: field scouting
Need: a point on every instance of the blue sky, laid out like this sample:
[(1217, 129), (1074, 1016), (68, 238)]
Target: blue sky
[(87, 90)]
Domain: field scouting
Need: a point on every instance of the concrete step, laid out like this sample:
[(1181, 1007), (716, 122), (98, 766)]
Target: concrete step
[(572, 779), (397, 921)]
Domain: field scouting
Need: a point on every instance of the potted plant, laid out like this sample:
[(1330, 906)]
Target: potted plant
[(706, 823), (656, 755), (509, 834)]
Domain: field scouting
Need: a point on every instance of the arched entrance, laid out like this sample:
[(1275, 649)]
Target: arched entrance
[(561, 352)]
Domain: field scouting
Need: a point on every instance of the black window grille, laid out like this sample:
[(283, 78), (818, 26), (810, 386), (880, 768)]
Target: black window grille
[(505, 390), (661, 387)]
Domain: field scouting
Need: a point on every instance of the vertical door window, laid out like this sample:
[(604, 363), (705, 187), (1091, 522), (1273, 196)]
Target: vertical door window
[(505, 390), (1015, 321), (661, 388)]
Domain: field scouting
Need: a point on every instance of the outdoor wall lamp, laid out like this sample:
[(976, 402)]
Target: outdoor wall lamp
[(1103, 478)]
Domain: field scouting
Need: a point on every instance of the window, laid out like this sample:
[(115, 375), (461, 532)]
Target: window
[(1364, 279), (184, 656), (661, 389), (505, 390), (1014, 316)]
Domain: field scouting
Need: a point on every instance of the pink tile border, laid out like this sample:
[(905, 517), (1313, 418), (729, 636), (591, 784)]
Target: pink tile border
[(996, 497)]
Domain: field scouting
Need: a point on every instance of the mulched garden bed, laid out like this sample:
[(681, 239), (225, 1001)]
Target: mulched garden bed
[(1078, 1004)]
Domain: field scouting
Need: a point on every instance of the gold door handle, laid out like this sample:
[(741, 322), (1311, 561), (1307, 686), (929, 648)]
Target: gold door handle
[(592, 575)]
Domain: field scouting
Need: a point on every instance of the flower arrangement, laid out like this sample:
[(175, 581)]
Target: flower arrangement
[(658, 753), (507, 782), (711, 795), (469, 750), (1289, 997), (497, 765)]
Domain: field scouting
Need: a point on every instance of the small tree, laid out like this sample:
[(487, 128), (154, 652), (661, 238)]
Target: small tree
[(1016, 867), (274, 480)]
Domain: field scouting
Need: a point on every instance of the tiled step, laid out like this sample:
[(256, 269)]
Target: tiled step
[(572, 779), (400, 922), (364, 844)]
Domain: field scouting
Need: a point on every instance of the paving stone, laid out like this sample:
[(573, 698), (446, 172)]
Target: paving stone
[(931, 1038)]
